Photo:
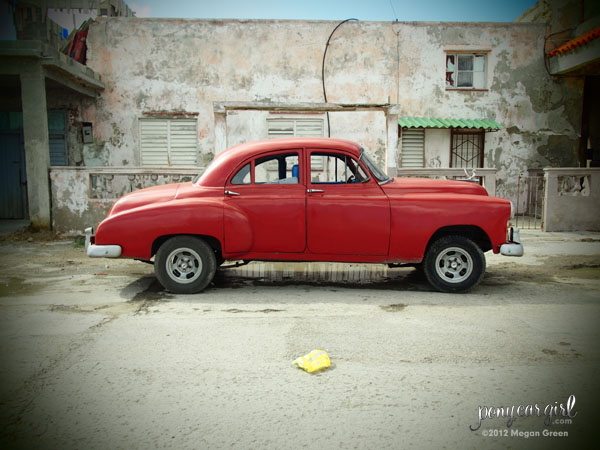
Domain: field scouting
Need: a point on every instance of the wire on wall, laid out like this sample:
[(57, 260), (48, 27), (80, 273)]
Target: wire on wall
[(323, 69)]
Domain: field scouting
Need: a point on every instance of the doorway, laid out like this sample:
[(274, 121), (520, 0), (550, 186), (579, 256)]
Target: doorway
[(13, 178)]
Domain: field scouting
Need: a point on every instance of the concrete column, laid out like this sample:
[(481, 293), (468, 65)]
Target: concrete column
[(392, 144), (220, 132), (489, 183), (37, 145)]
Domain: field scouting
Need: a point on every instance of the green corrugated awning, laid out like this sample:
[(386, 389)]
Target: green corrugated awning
[(424, 122)]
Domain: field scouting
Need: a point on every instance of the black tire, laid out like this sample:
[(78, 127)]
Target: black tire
[(454, 264), (185, 265)]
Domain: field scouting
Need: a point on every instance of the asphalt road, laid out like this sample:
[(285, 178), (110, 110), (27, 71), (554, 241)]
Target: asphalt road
[(95, 355)]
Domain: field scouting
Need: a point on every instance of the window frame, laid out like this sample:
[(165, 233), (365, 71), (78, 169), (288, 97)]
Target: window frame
[(471, 139), (252, 161), (328, 153), (456, 71)]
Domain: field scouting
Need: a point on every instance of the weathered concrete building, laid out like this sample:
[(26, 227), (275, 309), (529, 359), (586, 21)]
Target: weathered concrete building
[(418, 94)]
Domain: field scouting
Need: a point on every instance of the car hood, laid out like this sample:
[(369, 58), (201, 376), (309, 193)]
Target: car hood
[(403, 186), (155, 194)]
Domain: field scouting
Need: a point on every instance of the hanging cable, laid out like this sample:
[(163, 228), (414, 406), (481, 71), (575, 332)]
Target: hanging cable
[(323, 69), (394, 10)]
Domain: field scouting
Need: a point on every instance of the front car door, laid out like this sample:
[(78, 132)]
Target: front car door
[(347, 212), (268, 195)]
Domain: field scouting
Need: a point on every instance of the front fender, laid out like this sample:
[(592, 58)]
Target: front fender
[(416, 218)]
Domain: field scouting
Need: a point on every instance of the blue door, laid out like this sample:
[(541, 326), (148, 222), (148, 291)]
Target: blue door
[(13, 180)]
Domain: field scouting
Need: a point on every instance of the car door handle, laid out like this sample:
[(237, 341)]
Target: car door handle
[(231, 193), (314, 191)]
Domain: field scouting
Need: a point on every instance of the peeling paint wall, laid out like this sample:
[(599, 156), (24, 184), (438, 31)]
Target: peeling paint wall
[(82, 197), (72, 104), (437, 143), (184, 65), (57, 99), (540, 115), (151, 65)]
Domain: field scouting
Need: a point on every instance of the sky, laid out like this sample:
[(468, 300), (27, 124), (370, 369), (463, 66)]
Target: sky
[(335, 10), (376, 10)]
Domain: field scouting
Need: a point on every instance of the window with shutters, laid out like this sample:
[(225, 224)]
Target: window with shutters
[(465, 71), (168, 142), (413, 147), (294, 127), (57, 138)]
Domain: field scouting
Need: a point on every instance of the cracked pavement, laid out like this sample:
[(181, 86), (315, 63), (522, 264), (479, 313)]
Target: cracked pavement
[(95, 354)]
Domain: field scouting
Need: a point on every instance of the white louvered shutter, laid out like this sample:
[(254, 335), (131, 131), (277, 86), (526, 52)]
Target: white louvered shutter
[(413, 147), (168, 142), (182, 142), (309, 127), (154, 142), (278, 128)]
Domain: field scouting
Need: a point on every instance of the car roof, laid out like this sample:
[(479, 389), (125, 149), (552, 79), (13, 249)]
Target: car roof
[(229, 159)]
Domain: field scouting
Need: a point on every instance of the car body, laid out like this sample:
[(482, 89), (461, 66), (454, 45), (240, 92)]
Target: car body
[(306, 199)]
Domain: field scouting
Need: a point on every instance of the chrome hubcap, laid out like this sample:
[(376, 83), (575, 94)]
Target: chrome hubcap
[(184, 265), (454, 265)]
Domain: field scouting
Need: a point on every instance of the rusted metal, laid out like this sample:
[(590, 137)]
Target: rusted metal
[(530, 200)]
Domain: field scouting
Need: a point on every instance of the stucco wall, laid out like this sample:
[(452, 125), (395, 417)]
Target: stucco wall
[(437, 144), (571, 198), (184, 65)]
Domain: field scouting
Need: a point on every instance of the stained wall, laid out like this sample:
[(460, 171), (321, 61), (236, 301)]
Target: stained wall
[(154, 65)]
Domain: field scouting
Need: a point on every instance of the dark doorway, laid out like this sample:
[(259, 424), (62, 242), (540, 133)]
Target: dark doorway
[(13, 178)]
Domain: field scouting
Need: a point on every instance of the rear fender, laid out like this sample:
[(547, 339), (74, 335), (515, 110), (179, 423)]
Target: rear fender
[(237, 230), (135, 230)]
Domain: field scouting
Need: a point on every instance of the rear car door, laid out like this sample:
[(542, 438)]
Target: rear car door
[(268, 195)]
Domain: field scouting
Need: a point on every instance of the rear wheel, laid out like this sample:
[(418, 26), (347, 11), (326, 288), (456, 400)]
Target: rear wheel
[(185, 264), (454, 264)]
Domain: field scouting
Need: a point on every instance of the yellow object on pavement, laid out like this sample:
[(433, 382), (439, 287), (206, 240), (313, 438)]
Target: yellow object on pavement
[(314, 361)]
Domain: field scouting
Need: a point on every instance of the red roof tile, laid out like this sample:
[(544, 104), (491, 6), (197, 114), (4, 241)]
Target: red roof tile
[(576, 42)]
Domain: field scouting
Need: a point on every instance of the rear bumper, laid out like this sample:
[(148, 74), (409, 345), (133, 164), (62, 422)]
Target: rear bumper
[(100, 251), (513, 246)]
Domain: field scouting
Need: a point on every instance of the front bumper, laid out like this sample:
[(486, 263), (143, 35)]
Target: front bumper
[(513, 246), (100, 251)]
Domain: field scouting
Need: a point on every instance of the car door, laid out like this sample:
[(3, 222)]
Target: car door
[(267, 195), (347, 212)]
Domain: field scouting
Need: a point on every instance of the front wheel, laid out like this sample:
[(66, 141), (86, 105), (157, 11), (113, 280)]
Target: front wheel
[(185, 264), (454, 264)]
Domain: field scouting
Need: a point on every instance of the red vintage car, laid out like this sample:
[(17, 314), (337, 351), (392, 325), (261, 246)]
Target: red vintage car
[(314, 199)]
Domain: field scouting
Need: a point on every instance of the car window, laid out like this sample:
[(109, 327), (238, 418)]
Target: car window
[(335, 168), (242, 176), (277, 169)]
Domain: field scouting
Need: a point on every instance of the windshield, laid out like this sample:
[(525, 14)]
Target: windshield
[(379, 174)]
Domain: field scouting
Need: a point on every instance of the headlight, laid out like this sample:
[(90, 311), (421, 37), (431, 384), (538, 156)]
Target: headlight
[(512, 209)]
